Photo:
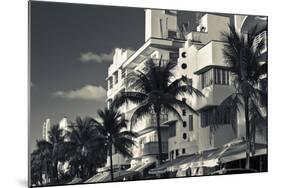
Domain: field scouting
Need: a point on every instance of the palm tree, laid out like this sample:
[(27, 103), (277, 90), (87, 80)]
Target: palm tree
[(114, 133), (242, 56), (154, 92), (40, 162), (82, 151), (56, 140)]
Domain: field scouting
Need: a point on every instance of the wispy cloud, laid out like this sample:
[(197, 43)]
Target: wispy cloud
[(88, 57), (88, 92)]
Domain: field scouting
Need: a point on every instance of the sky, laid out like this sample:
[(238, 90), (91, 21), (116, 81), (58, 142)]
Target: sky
[(71, 50)]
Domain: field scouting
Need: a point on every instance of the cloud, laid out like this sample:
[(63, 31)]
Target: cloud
[(95, 58), (88, 92)]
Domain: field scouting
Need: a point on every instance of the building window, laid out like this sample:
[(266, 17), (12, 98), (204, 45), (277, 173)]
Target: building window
[(116, 77), (172, 130), (213, 117), (183, 100), (123, 73), (172, 34), (183, 112), (172, 155), (183, 66), (174, 56), (217, 76), (183, 150), (184, 136), (110, 83), (190, 121), (177, 152), (183, 54), (184, 123)]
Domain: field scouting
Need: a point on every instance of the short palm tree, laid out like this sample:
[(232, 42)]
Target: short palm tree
[(242, 56), (114, 134), (156, 92), (82, 151), (41, 162)]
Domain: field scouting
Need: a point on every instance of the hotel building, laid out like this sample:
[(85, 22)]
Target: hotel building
[(45, 129), (200, 58)]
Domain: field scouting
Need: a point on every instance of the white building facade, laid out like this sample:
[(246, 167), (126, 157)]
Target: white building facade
[(200, 59), (45, 129)]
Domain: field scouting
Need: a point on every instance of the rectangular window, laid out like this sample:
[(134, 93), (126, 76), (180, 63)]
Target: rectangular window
[(190, 120), (227, 78), (183, 100), (110, 83), (172, 130), (123, 73), (172, 34), (223, 77), (116, 77), (172, 155), (184, 112), (183, 150), (184, 123), (212, 117), (177, 152), (218, 76), (174, 56)]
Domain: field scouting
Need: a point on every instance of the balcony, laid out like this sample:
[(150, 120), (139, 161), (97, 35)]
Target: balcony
[(197, 37), (151, 148)]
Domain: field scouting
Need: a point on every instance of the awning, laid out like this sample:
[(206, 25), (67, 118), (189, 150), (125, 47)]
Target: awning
[(144, 166), (171, 165), (238, 151), (75, 181), (200, 160), (105, 176), (98, 177)]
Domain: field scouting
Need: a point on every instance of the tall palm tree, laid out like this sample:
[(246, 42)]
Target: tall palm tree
[(156, 92), (243, 58), (114, 133), (82, 151)]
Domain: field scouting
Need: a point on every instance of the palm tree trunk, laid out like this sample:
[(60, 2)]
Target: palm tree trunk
[(55, 172), (159, 138), (247, 124), (111, 166)]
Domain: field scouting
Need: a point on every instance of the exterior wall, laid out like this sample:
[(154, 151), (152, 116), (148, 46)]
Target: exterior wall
[(63, 124), (158, 23), (202, 49), (147, 143)]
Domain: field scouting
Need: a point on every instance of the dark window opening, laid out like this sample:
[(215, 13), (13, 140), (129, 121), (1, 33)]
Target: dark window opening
[(184, 136), (177, 152), (190, 120), (184, 123), (184, 112), (183, 150)]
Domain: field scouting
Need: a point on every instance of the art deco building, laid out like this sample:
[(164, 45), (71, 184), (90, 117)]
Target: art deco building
[(199, 56), (45, 129), (161, 40)]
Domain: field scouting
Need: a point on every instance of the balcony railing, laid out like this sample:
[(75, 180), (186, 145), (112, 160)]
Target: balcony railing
[(151, 148)]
